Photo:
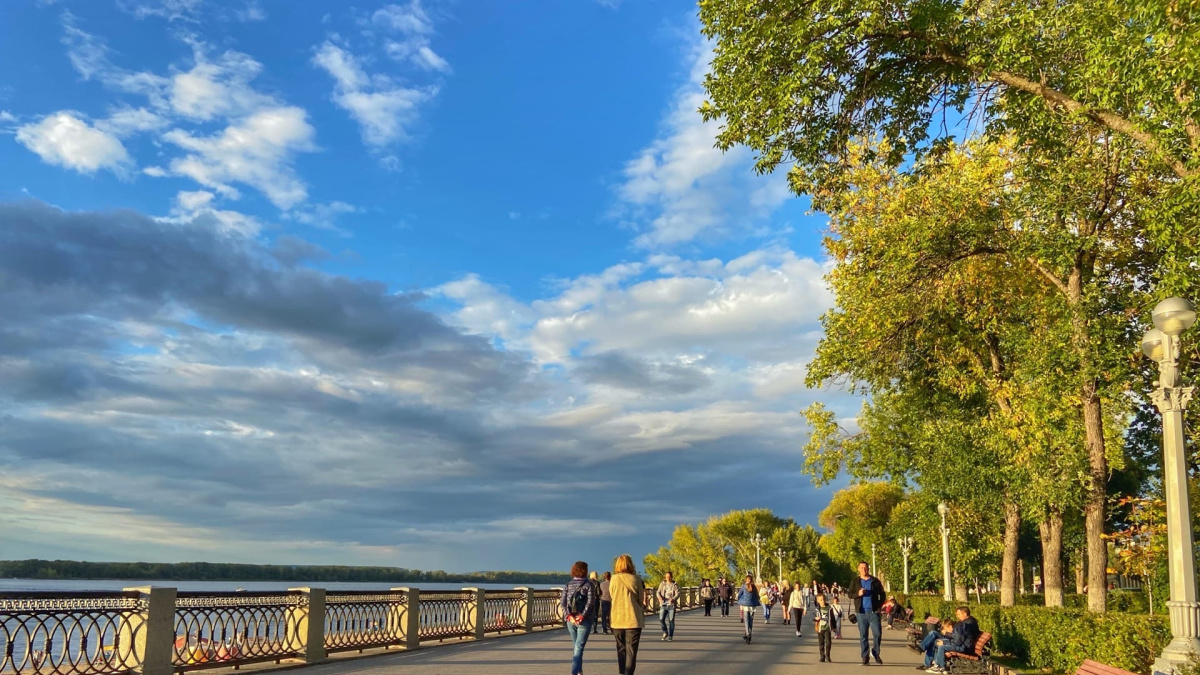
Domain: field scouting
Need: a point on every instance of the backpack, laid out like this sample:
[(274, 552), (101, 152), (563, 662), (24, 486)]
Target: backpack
[(579, 599)]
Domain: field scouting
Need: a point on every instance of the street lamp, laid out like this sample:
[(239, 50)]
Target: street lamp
[(758, 542), (1161, 343), (905, 548), (779, 555), (943, 510), (873, 569)]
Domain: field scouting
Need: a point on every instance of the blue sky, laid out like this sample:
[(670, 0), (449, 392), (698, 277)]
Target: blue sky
[(434, 284)]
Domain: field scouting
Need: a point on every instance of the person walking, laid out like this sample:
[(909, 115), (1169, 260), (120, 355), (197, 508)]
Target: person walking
[(748, 600), (668, 596), (785, 601), (822, 617), (708, 593), (595, 579), (606, 603), (867, 596), (628, 612), (769, 596), (579, 603), (796, 606), (725, 593)]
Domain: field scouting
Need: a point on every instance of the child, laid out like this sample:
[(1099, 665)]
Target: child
[(931, 643), (835, 611), (823, 618)]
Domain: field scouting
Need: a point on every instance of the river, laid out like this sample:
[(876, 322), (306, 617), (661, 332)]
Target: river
[(44, 585)]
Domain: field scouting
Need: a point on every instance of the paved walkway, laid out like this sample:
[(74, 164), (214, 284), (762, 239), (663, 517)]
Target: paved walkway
[(702, 645)]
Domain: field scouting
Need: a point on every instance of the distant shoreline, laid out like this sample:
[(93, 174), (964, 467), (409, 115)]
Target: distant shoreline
[(76, 570)]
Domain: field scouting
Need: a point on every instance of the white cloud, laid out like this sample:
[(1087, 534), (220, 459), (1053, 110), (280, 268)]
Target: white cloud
[(324, 216), (383, 109), (63, 139), (128, 121), (412, 28), (253, 11), (171, 10), (198, 206), (256, 151), (411, 19), (681, 187), (89, 55), (6, 117), (193, 200), (218, 88)]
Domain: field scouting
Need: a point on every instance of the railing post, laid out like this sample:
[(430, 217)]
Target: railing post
[(475, 611), (308, 622), (526, 618), (151, 632), (410, 627)]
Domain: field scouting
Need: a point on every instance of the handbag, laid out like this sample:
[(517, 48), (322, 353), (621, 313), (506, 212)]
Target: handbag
[(853, 618)]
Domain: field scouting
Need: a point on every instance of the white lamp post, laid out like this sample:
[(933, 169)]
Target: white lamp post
[(779, 555), (1171, 317), (947, 595), (874, 570), (905, 548), (758, 542)]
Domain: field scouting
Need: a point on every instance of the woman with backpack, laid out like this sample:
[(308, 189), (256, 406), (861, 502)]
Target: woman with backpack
[(748, 600), (579, 603)]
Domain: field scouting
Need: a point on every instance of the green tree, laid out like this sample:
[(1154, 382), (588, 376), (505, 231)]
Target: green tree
[(1084, 89)]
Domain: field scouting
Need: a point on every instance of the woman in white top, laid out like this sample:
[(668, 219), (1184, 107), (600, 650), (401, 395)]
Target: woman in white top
[(796, 606)]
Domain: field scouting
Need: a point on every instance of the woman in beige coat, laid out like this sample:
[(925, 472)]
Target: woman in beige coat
[(628, 612)]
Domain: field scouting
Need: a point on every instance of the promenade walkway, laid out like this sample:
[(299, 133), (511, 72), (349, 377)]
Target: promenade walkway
[(702, 645)]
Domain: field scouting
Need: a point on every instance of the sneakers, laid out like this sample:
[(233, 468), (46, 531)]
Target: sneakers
[(934, 669), (664, 637), (922, 667), (878, 660), (670, 638), (865, 662)]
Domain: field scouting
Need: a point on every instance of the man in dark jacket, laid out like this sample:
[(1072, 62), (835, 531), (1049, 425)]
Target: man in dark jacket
[(866, 592), (725, 595), (962, 639)]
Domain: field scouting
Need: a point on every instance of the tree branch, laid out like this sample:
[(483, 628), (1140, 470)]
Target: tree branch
[(1049, 276)]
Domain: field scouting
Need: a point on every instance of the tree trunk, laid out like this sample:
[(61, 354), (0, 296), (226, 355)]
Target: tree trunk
[(1079, 572), (960, 591), (1051, 529), (1008, 566), (1093, 512)]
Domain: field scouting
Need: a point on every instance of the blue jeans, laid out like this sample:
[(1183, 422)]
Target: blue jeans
[(666, 616), (579, 636), (929, 646), (766, 612), (868, 639)]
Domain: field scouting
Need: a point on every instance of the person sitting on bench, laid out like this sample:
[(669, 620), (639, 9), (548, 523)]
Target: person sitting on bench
[(961, 638)]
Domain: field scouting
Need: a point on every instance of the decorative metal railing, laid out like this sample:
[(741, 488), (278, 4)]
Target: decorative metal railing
[(447, 614), (502, 611), (120, 633), (215, 630), (69, 633), (364, 619), (545, 609)]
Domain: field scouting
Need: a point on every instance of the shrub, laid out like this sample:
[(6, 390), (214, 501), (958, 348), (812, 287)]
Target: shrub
[(1060, 639)]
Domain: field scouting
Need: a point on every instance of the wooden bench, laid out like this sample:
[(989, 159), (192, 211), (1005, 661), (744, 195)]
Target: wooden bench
[(1089, 667), (917, 633), (977, 661)]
